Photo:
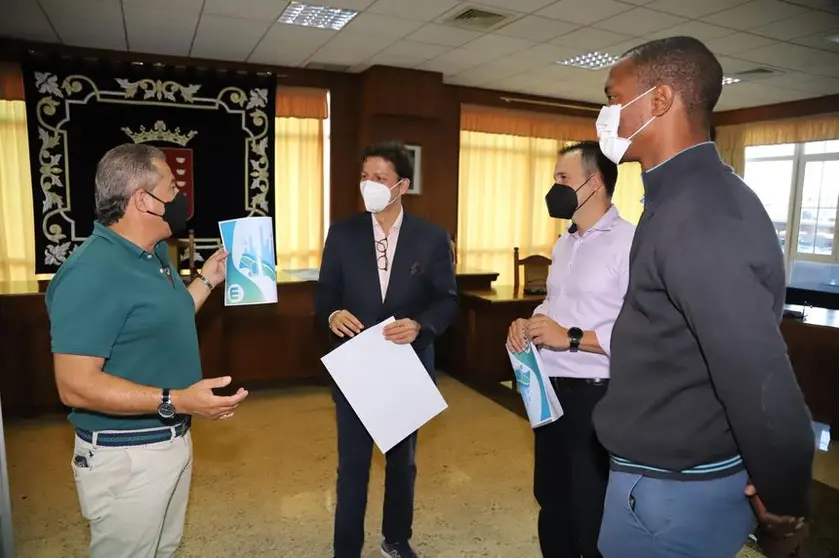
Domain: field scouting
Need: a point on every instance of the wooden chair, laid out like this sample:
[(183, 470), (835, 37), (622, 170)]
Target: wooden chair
[(178, 246), (535, 272)]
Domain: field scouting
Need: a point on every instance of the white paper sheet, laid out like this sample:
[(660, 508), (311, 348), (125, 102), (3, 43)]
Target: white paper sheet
[(386, 385)]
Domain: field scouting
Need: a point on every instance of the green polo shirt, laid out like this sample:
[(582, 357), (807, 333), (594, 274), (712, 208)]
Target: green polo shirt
[(112, 300)]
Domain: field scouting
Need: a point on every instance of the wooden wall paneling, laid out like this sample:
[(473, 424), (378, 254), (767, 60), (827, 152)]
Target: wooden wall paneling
[(418, 109)]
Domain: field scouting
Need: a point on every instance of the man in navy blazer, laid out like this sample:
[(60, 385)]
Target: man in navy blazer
[(381, 263)]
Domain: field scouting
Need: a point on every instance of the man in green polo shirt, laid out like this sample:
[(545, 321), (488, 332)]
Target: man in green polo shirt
[(126, 359)]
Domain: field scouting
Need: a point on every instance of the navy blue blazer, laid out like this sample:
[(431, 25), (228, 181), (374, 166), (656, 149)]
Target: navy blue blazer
[(422, 283)]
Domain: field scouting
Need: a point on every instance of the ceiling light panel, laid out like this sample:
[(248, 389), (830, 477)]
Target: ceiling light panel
[(315, 15), (591, 61)]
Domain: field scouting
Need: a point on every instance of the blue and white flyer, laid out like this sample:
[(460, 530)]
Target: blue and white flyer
[(251, 263), (539, 398)]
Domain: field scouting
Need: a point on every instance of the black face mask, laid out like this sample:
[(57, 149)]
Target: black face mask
[(175, 212), (561, 200)]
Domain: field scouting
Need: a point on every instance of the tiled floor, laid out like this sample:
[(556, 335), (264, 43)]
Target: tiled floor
[(263, 482)]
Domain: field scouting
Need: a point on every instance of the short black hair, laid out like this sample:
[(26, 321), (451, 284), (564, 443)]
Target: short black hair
[(396, 154), (595, 162), (686, 65), (713, 133)]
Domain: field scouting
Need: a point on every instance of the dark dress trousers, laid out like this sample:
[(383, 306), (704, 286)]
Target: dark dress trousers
[(422, 287)]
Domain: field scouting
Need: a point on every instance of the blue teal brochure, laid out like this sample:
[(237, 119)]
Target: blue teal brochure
[(540, 400), (251, 262)]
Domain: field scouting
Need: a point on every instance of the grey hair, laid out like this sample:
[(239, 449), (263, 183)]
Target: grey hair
[(121, 172)]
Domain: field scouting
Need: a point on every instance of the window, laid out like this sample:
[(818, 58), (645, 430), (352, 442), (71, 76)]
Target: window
[(799, 186)]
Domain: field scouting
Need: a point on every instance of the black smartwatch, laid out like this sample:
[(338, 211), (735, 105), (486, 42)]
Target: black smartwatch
[(575, 337), (166, 409)]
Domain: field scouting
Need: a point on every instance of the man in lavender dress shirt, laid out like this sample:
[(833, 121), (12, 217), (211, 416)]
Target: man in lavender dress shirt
[(573, 327)]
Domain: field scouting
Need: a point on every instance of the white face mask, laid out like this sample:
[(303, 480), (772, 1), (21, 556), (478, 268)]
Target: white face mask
[(608, 122), (377, 195)]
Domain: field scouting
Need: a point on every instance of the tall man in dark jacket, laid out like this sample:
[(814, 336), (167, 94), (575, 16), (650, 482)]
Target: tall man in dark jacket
[(703, 415), (381, 263)]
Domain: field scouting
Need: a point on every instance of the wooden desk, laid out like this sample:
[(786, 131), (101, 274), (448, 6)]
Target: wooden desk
[(260, 345), (813, 347), (477, 356)]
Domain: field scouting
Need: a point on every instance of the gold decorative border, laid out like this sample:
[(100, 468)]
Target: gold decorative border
[(53, 108)]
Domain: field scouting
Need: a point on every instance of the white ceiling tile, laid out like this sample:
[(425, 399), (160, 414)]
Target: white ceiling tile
[(382, 25), (521, 64), (159, 31), (343, 58), (694, 9), (829, 70), (638, 2), (287, 57), (590, 39), (227, 38), (446, 67), (498, 45), (285, 44), (442, 35), (523, 6), (467, 57), (800, 81), (536, 28), (423, 51), (789, 56), (264, 10), (546, 53), (357, 5), (801, 25), (357, 44), (820, 40), (584, 12), (293, 36), (174, 6), (819, 86), (824, 5), (23, 19), (426, 10), (88, 23), (754, 14), (732, 66), (398, 60), (737, 43), (623, 47), (698, 30), (640, 22)]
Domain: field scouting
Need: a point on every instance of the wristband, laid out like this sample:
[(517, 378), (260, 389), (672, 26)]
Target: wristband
[(205, 281)]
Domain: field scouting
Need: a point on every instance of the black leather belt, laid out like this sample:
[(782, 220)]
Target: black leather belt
[(115, 438), (572, 382)]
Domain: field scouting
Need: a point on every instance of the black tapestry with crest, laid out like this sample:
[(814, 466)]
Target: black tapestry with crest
[(216, 129)]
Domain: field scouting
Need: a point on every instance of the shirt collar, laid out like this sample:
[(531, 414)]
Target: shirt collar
[(605, 223), (395, 227), (102, 231), (702, 154)]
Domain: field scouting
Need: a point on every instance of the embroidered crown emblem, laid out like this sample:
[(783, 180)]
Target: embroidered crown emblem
[(160, 132)]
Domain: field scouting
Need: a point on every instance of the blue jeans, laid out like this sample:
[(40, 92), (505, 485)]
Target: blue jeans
[(645, 517)]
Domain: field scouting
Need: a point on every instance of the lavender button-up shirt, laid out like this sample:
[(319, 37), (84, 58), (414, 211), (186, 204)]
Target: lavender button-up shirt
[(586, 285)]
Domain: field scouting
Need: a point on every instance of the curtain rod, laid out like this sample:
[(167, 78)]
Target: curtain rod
[(550, 104)]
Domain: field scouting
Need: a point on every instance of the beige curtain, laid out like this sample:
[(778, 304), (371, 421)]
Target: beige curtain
[(298, 192), (733, 140), (17, 238), (506, 167)]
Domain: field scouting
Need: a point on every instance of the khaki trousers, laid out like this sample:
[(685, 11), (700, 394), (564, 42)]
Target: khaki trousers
[(134, 497)]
